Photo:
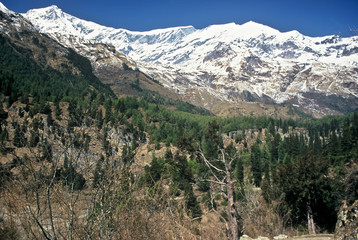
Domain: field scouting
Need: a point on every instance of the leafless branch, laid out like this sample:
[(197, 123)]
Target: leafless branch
[(212, 181), (38, 223)]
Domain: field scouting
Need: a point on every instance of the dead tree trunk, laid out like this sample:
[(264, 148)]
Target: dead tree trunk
[(310, 221), (232, 225), (231, 210)]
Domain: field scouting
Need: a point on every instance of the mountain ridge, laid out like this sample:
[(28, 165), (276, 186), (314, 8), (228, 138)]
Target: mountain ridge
[(228, 60)]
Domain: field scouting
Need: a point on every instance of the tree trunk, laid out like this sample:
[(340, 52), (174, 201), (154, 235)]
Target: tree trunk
[(231, 211), (310, 221), (232, 223)]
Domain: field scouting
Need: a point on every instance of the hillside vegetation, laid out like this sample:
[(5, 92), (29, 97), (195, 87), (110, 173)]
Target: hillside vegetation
[(79, 163)]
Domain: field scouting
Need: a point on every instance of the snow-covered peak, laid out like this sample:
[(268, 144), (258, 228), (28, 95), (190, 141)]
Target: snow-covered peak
[(46, 10), (53, 20), (247, 29), (165, 30), (253, 28), (226, 60), (221, 27), (187, 45), (232, 32), (5, 9), (50, 13)]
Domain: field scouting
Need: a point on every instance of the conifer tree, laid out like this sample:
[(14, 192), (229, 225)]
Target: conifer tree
[(58, 111), (99, 119), (46, 150), (19, 137), (274, 147), (192, 204), (256, 167), (34, 139), (98, 173), (310, 195)]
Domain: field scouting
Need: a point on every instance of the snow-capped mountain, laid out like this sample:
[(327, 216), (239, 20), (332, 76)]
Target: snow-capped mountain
[(229, 63), (18, 22)]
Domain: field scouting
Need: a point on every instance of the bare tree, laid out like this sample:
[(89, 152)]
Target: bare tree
[(223, 177)]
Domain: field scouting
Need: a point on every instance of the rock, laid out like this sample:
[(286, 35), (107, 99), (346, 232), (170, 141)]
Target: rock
[(262, 238), (281, 236), (347, 222), (245, 237)]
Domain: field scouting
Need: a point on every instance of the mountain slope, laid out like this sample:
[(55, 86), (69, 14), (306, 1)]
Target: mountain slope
[(36, 65), (231, 64), (111, 66)]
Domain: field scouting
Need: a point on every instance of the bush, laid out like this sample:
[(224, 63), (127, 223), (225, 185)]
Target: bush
[(72, 179)]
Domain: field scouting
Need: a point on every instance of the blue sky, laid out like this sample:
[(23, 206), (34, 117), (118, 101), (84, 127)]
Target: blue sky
[(310, 17)]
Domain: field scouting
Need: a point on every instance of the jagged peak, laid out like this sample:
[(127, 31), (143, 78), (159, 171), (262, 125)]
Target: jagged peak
[(47, 9), (52, 12)]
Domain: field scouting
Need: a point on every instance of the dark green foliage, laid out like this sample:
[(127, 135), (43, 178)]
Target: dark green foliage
[(256, 164), (98, 173), (86, 143), (3, 136), (156, 98), (239, 171), (128, 153), (203, 186), (37, 124), (49, 119), (58, 111), (19, 137), (5, 175), (181, 172), (77, 141), (99, 119), (275, 147), (182, 178), (3, 115), (46, 151), (305, 185), (187, 107), (212, 141), (192, 204), (21, 113), (285, 127), (34, 139), (271, 127), (44, 108), (154, 171), (71, 178), (308, 169), (84, 65), (300, 169), (22, 76), (136, 85)]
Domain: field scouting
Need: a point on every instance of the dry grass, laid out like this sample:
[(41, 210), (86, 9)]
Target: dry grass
[(258, 217)]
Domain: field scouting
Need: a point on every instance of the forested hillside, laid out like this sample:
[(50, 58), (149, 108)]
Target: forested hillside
[(79, 163)]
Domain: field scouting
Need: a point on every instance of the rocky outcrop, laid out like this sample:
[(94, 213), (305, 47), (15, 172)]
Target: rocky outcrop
[(347, 223)]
